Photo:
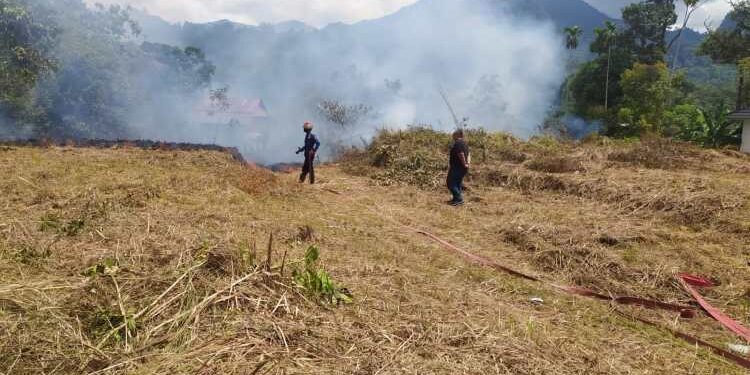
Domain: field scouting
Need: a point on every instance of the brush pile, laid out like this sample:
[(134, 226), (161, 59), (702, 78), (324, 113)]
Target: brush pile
[(597, 168), (418, 156)]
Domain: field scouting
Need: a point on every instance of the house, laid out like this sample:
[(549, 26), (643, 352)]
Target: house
[(243, 123), (744, 116)]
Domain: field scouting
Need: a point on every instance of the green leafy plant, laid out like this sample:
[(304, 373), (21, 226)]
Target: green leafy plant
[(105, 320), (52, 222), (29, 255), (316, 282), (105, 267)]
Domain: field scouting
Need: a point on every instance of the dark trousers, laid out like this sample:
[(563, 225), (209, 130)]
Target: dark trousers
[(308, 168), (456, 183)]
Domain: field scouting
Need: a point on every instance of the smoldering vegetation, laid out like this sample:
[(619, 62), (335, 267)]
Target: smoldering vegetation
[(118, 78), (498, 68)]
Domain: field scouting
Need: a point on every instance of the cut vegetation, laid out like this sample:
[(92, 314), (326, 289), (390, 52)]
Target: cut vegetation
[(128, 261)]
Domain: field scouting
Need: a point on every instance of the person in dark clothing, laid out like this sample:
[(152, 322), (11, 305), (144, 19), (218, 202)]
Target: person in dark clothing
[(459, 167), (312, 144)]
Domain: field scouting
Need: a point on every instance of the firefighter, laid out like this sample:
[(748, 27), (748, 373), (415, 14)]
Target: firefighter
[(310, 149), (459, 167)]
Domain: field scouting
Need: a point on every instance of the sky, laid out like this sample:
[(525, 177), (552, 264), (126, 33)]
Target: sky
[(321, 12), (313, 12)]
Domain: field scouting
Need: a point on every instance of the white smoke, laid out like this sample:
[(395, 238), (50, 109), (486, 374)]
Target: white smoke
[(501, 70)]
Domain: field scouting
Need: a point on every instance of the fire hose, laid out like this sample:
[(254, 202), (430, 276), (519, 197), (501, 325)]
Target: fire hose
[(688, 281)]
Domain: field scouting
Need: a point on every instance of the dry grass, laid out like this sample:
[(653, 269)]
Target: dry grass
[(556, 164), (658, 153), (154, 262)]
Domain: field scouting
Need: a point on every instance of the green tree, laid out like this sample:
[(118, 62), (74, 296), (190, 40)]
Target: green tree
[(106, 80), (690, 7), (605, 38), (720, 130), (645, 90), (646, 28), (25, 43), (710, 126), (728, 46), (686, 122), (595, 86)]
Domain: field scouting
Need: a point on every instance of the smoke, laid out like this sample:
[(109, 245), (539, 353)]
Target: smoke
[(578, 128), (500, 70), (11, 130)]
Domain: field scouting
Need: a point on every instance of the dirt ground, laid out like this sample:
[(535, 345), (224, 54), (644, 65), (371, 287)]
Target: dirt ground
[(126, 261)]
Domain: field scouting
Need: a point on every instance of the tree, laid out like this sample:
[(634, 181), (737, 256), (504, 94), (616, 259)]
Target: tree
[(599, 78), (572, 36), (728, 46), (732, 46), (646, 28), (341, 114), (720, 130), (26, 40), (185, 69), (645, 89), (686, 122), (690, 7), (604, 40)]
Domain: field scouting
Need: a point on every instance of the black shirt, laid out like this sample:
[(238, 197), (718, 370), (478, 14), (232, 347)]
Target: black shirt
[(458, 147)]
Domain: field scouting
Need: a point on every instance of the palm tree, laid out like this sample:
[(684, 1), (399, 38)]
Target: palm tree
[(607, 34), (572, 36)]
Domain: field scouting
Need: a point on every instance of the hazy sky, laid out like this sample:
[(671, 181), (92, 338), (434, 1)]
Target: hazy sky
[(312, 12), (321, 12)]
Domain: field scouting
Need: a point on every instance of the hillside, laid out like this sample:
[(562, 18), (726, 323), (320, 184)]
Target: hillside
[(562, 13), (124, 261)]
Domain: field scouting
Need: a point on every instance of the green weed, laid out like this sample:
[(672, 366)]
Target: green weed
[(29, 255), (105, 321), (105, 267), (247, 255), (52, 222), (317, 282)]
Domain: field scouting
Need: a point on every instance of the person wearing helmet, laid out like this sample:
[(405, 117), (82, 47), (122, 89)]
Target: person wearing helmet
[(312, 144)]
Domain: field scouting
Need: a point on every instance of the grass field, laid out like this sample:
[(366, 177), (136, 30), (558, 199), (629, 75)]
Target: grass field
[(126, 261)]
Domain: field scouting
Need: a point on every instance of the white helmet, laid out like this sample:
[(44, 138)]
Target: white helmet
[(308, 126)]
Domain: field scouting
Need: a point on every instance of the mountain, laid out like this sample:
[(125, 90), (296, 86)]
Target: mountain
[(500, 65), (219, 39), (612, 8), (562, 13)]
